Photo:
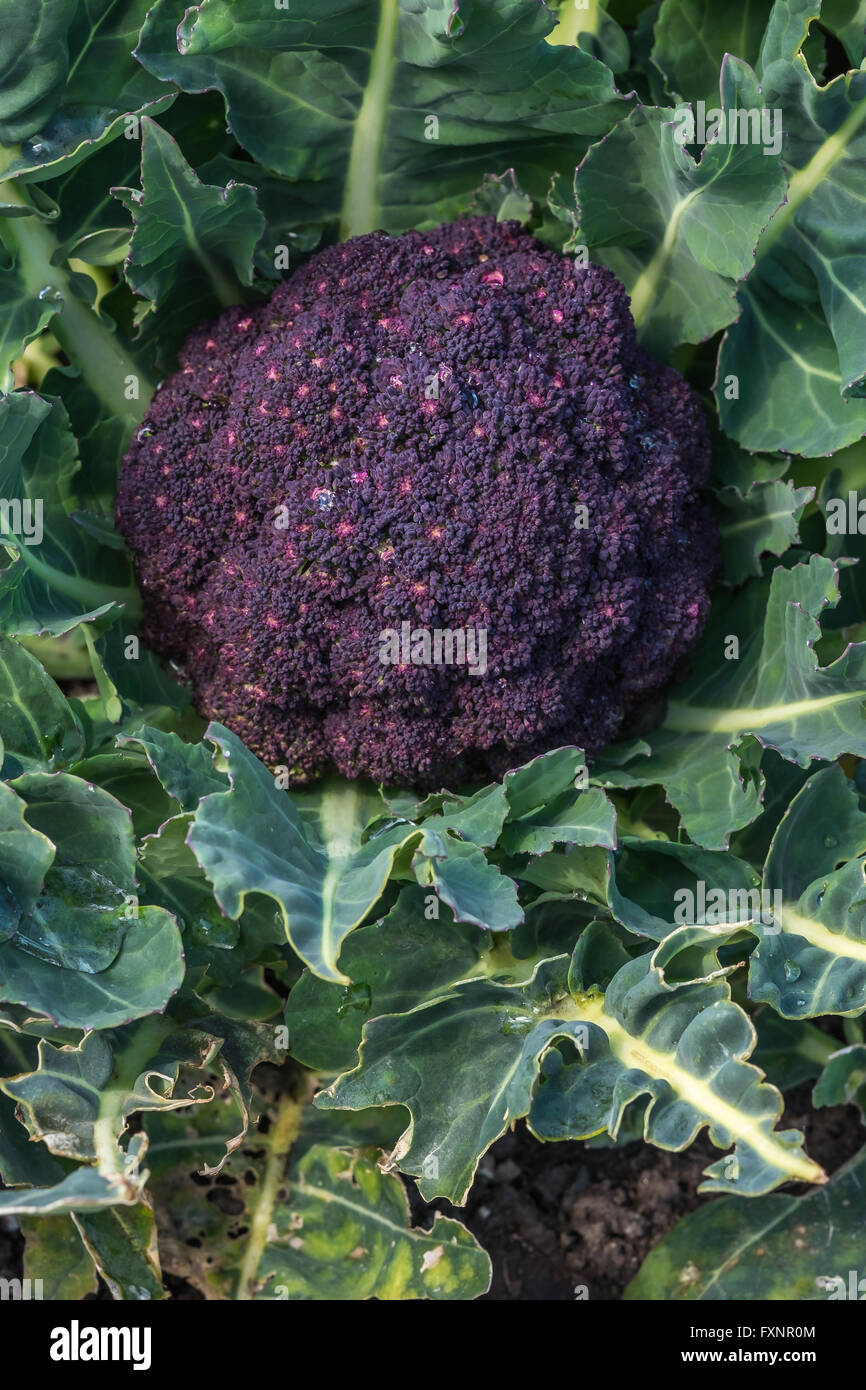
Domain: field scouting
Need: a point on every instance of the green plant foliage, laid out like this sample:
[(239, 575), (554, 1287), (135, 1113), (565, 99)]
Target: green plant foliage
[(243, 1021)]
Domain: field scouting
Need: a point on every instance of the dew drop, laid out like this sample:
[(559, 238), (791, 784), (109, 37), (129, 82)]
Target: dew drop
[(792, 971), (143, 434), (830, 841)]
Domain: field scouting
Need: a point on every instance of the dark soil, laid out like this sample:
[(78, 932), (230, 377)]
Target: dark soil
[(558, 1218)]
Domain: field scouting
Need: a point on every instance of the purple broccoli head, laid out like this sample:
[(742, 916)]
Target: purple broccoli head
[(427, 512)]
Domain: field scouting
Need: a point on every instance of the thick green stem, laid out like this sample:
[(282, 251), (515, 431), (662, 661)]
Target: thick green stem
[(361, 202), (280, 1141), (110, 372)]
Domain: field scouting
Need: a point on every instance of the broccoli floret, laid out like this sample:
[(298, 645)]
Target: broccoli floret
[(452, 430)]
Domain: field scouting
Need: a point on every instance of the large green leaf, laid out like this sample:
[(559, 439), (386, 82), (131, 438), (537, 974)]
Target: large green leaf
[(817, 963), (774, 694), (84, 909), (317, 867), (797, 349), (388, 115), (66, 578), (691, 38), (34, 61), (679, 233), (419, 1059), (314, 1218), (799, 1249), (192, 243), (685, 1049), (37, 728), (406, 959), (141, 980), (82, 78)]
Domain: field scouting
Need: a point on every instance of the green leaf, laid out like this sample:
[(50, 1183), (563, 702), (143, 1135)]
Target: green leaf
[(84, 1189), (647, 883), (679, 234), (691, 38), (406, 959), (501, 196), (799, 1249), (685, 1049), (23, 315), (533, 786), (418, 1059), (324, 877), (460, 874), (62, 1101), (122, 1244), (22, 1163), (310, 1215), (54, 1254), (816, 964), (66, 578), (847, 20), (192, 244), (789, 1051), (778, 384), (37, 727), (346, 1235), (25, 858), (83, 912), (186, 770), (137, 674), (34, 62), (141, 980), (338, 98), (843, 1080), (762, 519), (797, 349), (128, 777), (774, 694), (85, 100), (478, 818), (574, 818)]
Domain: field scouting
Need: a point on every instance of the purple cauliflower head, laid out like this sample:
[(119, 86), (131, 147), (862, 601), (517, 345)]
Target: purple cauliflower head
[(426, 513)]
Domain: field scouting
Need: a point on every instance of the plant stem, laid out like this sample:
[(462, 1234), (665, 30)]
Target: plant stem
[(87, 341), (361, 201), (280, 1141), (129, 1063)]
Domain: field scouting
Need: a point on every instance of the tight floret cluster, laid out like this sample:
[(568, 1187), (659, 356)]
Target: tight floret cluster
[(452, 429)]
